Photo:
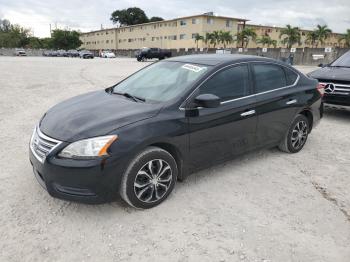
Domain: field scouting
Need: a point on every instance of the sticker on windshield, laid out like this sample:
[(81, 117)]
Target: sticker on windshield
[(193, 68)]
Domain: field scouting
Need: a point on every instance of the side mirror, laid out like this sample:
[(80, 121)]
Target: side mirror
[(322, 65), (207, 101)]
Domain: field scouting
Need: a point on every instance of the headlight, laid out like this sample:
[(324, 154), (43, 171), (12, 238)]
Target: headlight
[(88, 148)]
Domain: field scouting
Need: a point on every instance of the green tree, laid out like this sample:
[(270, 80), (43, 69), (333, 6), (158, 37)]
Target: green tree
[(291, 36), (155, 19), (65, 39), (129, 16), (245, 36), (198, 38), (225, 38), (322, 33), (345, 38), (12, 35), (311, 38)]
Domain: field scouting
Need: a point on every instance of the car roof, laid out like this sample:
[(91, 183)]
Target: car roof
[(217, 59)]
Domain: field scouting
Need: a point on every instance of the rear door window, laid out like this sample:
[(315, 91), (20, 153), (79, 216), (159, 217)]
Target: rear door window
[(268, 77)]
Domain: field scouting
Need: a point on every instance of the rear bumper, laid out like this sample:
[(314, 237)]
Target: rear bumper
[(91, 182)]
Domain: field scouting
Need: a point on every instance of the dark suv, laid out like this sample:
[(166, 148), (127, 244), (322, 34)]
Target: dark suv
[(335, 77), (171, 118)]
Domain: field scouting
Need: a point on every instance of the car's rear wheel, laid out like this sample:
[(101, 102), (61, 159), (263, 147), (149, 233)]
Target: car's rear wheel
[(149, 178), (296, 135)]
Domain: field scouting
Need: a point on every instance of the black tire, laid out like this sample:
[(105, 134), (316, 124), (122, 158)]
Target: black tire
[(140, 186), (296, 136)]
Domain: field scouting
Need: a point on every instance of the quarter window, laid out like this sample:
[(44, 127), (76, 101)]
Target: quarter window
[(291, 76), (228, 84), (268, 77)]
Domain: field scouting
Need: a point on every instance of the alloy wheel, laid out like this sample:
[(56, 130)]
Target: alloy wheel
[(153, 181), (299, 134)]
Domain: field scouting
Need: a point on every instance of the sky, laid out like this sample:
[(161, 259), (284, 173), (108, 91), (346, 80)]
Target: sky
[(86, 15)]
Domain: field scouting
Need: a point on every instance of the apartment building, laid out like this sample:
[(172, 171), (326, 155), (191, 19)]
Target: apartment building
[(169, 34), (179, 33), (274, 33)]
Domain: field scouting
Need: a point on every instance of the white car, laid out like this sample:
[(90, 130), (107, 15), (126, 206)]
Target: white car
[(107, 54)]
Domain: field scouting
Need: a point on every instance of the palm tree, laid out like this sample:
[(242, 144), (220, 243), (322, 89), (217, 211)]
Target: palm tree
[(225, 38), (345, 38), (292, 36), (198, 38), (208, 39), (311, 38), (264, 40), (322, 33), (215, 38), (245, 36), (273, 43)]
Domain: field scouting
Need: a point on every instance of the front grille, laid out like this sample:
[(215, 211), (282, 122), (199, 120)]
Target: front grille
[(41, 145), (336, 87)]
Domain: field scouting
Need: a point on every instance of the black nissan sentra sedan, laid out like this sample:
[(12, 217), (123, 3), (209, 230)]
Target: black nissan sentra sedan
[(336, 80), (137, 138)]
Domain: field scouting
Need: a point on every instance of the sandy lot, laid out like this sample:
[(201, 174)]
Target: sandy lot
[(264, 206)]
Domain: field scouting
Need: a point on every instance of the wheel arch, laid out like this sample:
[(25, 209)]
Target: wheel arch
[(176, 154), (308, 114)]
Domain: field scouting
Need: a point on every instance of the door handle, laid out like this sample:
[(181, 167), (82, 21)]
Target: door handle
[(290, 102), (248, 113)]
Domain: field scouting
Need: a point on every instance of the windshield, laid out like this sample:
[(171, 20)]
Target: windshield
[(161, 81), (343, 61)]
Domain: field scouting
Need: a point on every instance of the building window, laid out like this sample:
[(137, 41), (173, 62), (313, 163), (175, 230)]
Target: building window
[(106, 32), (182, 22), (195, 21), (194, 35), (172, 37), (111, 41), (153, 38), (229, 23), (107, 41), (210, 21), (182, 36), (175, 24)]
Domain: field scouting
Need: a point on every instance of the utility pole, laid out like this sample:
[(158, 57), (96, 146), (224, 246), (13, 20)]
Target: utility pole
[(50, 31)]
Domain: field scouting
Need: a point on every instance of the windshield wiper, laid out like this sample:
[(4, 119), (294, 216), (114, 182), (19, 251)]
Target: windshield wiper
[(135, 98)]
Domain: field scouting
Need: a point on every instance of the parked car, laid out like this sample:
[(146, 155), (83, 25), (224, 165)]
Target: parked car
[(53, 53), (86, 54), (107, 54), (47, 53), (335, 77), (20, 52), (62, 53), (149, 53), (73, 53), (171, 118)]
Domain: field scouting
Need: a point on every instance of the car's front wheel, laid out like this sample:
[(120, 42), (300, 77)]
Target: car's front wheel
[(149, 178), (296, 135)]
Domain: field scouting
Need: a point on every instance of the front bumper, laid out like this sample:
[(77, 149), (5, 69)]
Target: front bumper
[(340, 100), (87, 181)]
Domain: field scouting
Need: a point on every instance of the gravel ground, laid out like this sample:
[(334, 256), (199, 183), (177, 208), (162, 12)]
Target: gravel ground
[(263, 206)]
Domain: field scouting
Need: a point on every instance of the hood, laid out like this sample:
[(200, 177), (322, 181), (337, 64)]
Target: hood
[(332, 73), (93, 114)]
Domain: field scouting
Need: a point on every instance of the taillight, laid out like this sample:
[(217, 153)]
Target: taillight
[(320, 88)]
